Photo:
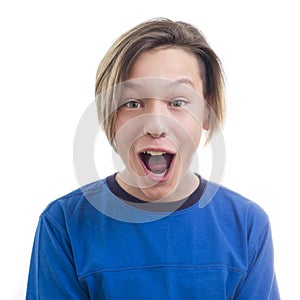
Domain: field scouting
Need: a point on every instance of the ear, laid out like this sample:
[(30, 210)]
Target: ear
[(206, 124), (207, 116)]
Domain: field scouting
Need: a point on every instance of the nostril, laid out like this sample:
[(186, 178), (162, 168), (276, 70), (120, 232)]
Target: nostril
[(157, 135)]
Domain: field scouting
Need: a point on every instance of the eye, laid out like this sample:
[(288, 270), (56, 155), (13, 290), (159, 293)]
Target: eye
[(132, 104), (178, 102)]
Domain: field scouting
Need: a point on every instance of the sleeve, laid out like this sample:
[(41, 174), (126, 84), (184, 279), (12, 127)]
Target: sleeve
[(52, 272), (260, 282)]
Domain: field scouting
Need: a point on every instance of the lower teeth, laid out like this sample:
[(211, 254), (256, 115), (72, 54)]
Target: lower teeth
[(159, 173)]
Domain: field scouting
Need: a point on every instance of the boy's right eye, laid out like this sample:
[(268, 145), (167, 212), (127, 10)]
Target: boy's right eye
[(133, 104)]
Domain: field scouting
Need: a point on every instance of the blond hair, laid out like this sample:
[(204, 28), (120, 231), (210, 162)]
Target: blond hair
[(157, 33)]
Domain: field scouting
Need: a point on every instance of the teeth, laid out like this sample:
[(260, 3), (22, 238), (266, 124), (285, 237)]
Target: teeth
[(160, 174), (155, 152)]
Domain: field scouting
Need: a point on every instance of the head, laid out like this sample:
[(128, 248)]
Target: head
[(158, 33), (152, 56)]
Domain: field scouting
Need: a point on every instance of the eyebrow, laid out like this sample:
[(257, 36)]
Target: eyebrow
[(184, 80), (173, 83)]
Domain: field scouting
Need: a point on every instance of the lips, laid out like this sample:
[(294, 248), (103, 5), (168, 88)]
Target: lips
[(157, 163)]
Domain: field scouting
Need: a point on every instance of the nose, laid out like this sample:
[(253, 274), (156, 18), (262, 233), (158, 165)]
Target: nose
[(155, 121)]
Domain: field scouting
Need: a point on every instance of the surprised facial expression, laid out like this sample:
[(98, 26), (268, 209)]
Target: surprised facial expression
[(160, 120)]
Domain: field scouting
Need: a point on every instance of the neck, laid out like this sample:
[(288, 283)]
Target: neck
[(184, 187)]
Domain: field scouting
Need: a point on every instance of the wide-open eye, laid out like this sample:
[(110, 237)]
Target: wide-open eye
[(132, 104), (178, 102)]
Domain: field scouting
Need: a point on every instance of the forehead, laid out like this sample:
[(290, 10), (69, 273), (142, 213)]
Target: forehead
[(173, 64), (162, 88)]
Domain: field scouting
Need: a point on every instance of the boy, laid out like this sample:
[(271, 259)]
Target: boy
[(155, 230)]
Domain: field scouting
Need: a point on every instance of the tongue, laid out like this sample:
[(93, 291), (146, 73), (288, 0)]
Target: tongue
[(158, 163)]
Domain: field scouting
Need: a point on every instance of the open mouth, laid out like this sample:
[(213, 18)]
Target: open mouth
[(157, 162)]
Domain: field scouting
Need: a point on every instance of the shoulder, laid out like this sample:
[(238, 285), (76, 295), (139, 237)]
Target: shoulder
[(242, 202), (234, 206), (236, 216), (74, 203)]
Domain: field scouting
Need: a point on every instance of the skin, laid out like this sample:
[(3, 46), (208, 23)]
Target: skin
[(162, 108)]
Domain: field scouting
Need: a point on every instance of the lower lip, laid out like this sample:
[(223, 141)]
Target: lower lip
[(158, 178)]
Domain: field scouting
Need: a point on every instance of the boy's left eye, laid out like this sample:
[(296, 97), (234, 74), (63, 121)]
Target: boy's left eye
[(178, 102)]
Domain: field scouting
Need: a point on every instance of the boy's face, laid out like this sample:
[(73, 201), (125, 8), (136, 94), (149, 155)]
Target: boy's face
[(160, 119)]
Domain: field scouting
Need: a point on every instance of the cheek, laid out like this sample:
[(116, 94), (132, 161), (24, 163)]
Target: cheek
[(120, 121), (195, 131), (126, 131), (125, 148), (190, 132), (196, 122)]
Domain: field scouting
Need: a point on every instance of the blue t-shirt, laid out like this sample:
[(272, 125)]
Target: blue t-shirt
[(100, 243)]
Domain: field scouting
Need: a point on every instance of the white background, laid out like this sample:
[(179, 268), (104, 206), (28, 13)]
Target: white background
[(48, 58)]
